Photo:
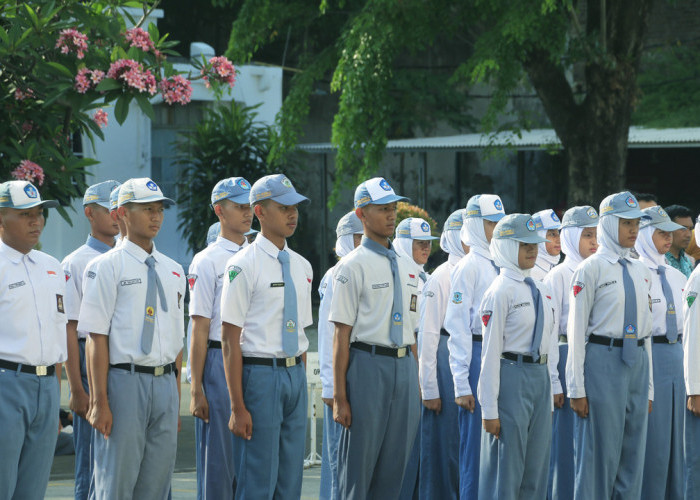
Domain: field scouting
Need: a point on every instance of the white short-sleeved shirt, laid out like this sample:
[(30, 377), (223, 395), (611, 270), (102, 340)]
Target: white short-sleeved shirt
[(363, 296), (433, 304), (32, 308), (253, 298), (205, 279), (469, 281), (508, 317), (677, 281), (597, 305), (74, 265), (691, 334), (326, 330), (559, 282), (114, 302)]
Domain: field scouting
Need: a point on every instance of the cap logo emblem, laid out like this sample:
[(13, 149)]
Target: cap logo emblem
[(631, 202), (662, 212), (554, 217), (30, 191), (498, 205), (425, 227), (592, 213), (530, 225), (286, 183), (244, 184), (384, 185), (152, 186)]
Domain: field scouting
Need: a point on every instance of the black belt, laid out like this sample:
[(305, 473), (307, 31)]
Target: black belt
[(394, 352), (477, 338), (279, 362), (151, 370), (609, 341), (661, 339), (41, 371), (82, 340), (525, 357), (444, 332), (563, 339), (214, 344)]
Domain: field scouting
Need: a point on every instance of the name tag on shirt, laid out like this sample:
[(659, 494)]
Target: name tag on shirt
[(16, 285), (59, 303), (277, 284), (414, 301)]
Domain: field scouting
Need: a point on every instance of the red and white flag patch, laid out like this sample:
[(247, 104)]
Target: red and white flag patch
[(486, 317), (176, 274), (191, 280), (578, 286)]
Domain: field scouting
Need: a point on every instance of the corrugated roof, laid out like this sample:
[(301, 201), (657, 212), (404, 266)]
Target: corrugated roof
[(533, 139)]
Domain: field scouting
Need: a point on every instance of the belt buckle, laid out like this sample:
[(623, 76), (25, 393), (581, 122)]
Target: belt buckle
[(401, 352), (158, 371), (675, 341), (41, 371), (543, 359), (289, 362)]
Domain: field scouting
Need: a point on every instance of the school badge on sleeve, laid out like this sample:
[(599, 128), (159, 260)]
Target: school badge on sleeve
[(486, 317), (690, 298), (578, 286), (457, 298)]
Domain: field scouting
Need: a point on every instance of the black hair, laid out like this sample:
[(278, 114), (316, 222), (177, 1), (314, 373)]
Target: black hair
[(646, 197), (675, 211)]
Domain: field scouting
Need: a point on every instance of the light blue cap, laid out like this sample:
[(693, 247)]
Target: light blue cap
[(21, 195), (518, 227), (375, 191), (455, 221), (236, 189), (581, 216), (546, 219), (659, 219), (349, 223), (213, 232), (623, 205), (142, 190), (100, 193), (414, 228), (276, 187), (114, 198), (486, 206)]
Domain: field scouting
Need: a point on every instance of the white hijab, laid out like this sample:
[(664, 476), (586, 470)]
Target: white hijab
[(505, 254), (647, 250), (344, 245), (474, 235), (451, 243), (404, 246), (544, 260), (570, 240), (608, 235)]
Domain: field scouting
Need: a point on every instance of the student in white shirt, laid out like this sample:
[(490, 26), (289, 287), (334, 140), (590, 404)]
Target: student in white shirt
[(32, 343), (414, 241), (349, 235), (375, 377), (578, 240), (210, 403), (548, 253), (103, 229), (691, 374), (518, 369), (133, 308), (663, 464), (439, 470), (608, 371), (468, 283), (265, 306)]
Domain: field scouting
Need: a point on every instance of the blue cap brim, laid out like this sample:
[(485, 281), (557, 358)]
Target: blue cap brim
[(241, 199), (588, 224), (530, 239), (494, 217), (388, 199), (167, 202), (664, 226), (632, 213), (289, 199), (44, 204), (425, 238)]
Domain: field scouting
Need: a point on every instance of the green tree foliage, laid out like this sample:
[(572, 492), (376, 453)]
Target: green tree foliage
[(227, 142)]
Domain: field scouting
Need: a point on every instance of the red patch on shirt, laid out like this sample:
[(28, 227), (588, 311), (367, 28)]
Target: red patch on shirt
[(67, 276), (549, 297), (52, 273), (578, 286), (176, 274), (486, 317), (191, 280), (308, 279), (412, 276)]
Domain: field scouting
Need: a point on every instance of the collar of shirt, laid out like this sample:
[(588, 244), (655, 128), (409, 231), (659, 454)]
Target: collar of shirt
[(514, 275), (96, 244), (608, 254), (649, 263), (229, 245), (139, 253), (13, 255), (269, 247), (481, 253)]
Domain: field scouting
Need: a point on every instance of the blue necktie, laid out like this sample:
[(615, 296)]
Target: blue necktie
[(498, 269), (396, 329), (539, 318), (290, 337), (671, 325), (629, 342), (154, 288), (423, 276)]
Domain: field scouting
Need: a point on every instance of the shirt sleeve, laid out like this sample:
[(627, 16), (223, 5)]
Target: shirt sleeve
[(494, 310), (325, 335), (236, 293), (306, 314), (202, 278), (100, 297), (553, 346), (429, 337), (581, 297), (72, 298), (347, 287), (691, 337), (458, 324), (647, 340)]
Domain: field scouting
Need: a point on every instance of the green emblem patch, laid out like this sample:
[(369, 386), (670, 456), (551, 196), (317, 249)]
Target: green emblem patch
[(233, 272), (690, 298)]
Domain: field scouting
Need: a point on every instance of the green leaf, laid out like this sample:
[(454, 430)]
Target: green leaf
[(61, 69), (145, 106), (3, 36), (32, 15), (121, 110), (153, 31), (62, 212), (108, 84)]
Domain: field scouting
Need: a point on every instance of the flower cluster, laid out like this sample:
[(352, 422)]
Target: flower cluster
[(71, 40), (176, 90), (87, 79), (100, 117), (21, 95), (219, 69), (28, 171), (140, 38), (133, 75)]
